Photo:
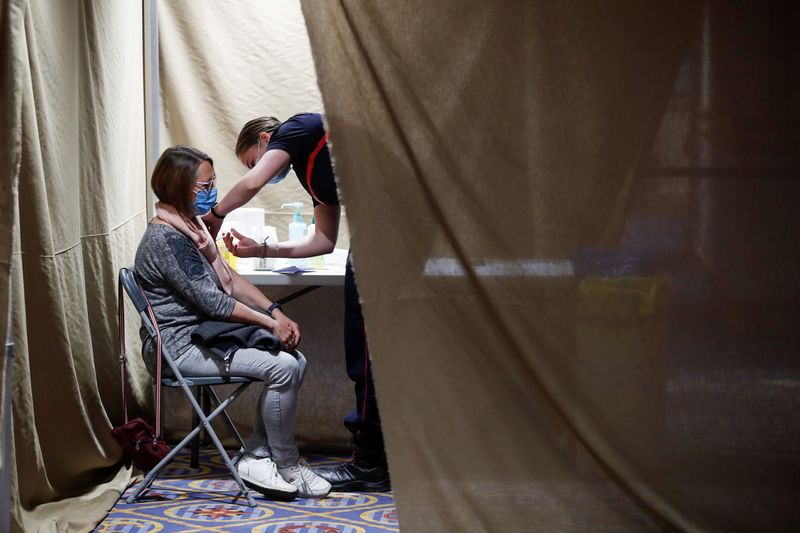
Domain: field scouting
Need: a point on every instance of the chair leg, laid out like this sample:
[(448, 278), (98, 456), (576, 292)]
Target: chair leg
[(194, 462), (231, 468), (206, 405), (205, 422), (213, 396), (151, 475)]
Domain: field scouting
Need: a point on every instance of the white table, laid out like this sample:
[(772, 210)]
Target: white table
[(332, 276)]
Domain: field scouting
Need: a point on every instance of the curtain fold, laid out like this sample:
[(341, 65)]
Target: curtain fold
[(10, 129), (530, 244), (73, 94)]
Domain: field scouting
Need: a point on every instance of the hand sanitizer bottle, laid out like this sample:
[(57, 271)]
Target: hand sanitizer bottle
[(297, 229)]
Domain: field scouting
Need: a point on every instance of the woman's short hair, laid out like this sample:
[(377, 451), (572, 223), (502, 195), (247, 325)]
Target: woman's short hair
[(174, 176), (249, 134)]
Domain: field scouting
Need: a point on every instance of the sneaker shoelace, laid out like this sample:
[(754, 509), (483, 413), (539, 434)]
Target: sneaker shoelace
[(301, 467), (274, 475)]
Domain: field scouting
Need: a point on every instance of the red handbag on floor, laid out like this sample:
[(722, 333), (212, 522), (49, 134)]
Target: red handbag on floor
[(141, 444)]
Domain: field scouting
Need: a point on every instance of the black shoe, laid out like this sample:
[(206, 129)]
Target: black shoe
[(356, 477)]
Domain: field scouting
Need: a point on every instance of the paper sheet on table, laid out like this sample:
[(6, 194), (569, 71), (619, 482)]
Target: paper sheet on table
[(293, 269)]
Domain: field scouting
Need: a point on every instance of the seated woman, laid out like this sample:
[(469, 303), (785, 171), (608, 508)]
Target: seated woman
[(188, 283)]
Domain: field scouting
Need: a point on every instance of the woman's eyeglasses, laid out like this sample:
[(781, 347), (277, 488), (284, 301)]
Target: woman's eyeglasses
[(206, 185)]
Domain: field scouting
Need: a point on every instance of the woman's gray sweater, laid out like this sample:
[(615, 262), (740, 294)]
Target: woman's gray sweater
[(182, 287)]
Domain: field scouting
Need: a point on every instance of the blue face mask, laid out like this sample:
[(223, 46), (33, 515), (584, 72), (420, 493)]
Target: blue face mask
[(204, 201), (279, 176)]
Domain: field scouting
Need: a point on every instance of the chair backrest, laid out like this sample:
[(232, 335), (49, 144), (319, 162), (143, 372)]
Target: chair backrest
[(127, 279), (130, 282)]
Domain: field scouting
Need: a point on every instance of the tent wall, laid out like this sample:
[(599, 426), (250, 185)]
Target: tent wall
[(72, 92), (590, 215), (220, 68)]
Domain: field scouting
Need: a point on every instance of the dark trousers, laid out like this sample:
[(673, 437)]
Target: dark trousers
[(364, 422)]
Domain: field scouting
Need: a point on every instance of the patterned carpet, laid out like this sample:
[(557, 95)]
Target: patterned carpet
[(189, 500)]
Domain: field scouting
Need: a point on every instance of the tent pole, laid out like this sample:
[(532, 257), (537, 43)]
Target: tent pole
[(152, 101)]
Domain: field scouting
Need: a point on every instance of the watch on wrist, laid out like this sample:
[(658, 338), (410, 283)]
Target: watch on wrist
[(214, 212), (271, 308)]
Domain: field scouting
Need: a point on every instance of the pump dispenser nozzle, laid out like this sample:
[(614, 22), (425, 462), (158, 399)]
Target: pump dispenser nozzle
[(297, 228), (298, 217)]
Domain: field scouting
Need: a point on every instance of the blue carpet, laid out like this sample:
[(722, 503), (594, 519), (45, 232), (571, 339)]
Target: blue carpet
[(186, 499)]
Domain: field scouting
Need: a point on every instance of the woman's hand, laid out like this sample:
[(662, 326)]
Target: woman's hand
[(292, 324), (245, 247), (286, 330)]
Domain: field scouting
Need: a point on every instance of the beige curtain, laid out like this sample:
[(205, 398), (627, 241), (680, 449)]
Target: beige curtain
[(73, 161), (220, 68), (574, 230)]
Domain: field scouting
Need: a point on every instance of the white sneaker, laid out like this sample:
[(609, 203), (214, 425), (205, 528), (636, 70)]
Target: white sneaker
[(261, 474), (309, 484)]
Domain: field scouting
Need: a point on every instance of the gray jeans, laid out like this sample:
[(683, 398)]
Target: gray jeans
[(282, 373)]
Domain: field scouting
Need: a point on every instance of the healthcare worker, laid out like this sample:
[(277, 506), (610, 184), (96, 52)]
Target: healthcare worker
[(268, 148)]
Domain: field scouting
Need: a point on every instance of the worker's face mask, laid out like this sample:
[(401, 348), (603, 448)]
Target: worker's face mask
[(277, 178)]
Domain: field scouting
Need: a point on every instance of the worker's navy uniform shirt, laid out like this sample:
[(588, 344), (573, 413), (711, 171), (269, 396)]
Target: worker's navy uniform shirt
[(303, 137)]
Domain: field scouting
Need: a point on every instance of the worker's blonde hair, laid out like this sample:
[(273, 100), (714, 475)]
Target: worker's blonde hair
[(249, 134)]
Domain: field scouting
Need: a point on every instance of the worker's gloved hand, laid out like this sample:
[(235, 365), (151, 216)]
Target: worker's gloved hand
[(244, 246)]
